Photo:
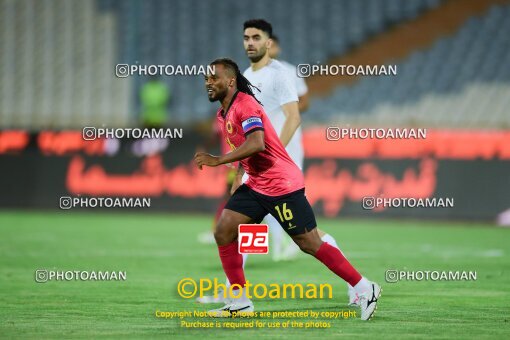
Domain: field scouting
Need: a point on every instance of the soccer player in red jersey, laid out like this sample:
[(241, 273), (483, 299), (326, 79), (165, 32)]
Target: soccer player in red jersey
[(275, 184)]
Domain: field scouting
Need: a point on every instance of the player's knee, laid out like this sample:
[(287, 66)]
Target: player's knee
[(219, 236), (305, 246), (308, 245), (223, 233)]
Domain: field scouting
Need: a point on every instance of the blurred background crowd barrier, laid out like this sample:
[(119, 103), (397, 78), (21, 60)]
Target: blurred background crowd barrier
[(37, 169)]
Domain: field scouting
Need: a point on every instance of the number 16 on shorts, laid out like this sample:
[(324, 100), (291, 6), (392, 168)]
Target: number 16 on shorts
[(253, 239)]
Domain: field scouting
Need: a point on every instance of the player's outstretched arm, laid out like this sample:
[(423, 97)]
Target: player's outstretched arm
[(292, 122), (254, 143)]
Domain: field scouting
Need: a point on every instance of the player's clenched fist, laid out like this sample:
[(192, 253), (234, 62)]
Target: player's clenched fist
[(202, 158)]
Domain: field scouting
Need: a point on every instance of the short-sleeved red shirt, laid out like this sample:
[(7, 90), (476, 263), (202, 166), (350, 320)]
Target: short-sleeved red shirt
[(272, 172)]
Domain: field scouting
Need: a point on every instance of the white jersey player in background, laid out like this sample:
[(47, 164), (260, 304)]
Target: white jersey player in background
[(283, 248), (291, 249), (280, 89), (299, 82), (279, 97)]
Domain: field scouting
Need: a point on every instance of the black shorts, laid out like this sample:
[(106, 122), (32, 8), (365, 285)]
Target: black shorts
[(292, 210)]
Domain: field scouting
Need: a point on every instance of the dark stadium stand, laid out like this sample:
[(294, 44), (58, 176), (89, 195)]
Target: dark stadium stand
[(193, 32), (462, 75), (458, 78)]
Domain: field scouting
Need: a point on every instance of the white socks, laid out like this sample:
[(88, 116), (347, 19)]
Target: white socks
[(328, 238), (363, 286)]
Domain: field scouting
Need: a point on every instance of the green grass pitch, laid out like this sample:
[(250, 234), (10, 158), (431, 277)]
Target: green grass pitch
[(157, 251)]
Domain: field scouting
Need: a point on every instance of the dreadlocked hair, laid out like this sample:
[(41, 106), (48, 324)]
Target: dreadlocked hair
[(243, 84)]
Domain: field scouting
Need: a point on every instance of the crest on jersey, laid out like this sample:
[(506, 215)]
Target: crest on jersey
[(229, 126)]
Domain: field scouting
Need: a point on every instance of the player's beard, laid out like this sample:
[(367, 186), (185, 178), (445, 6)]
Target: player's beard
[(260, 54), (217, 96)]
